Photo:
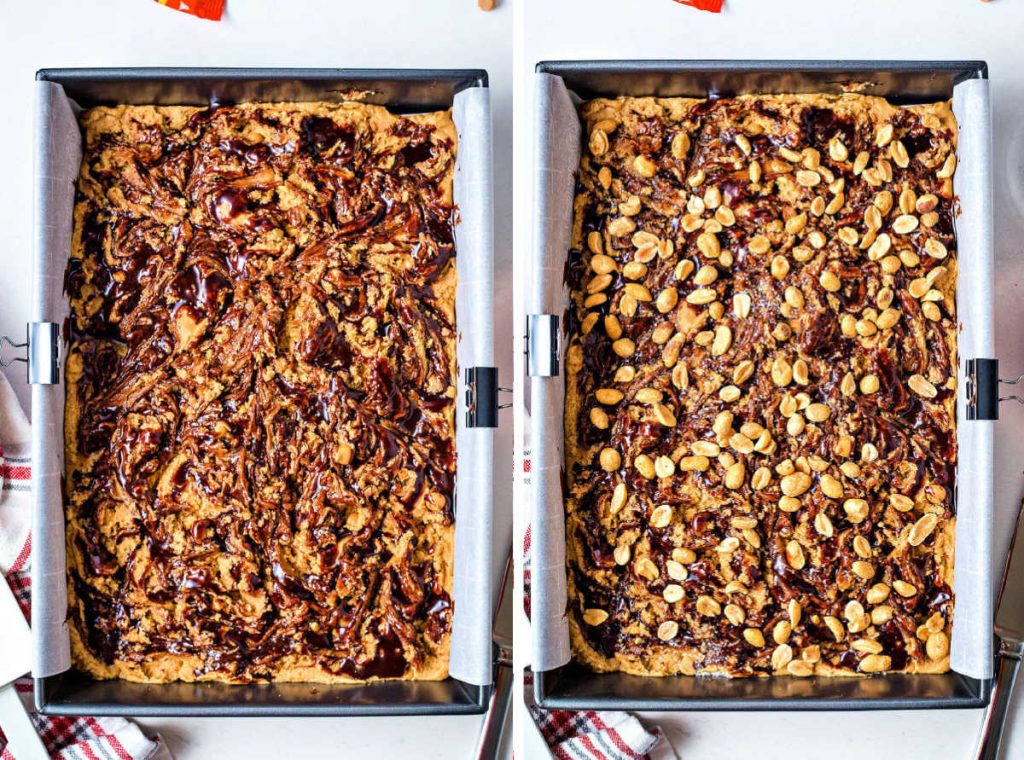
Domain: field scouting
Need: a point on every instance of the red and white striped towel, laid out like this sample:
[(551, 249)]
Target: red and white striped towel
[(65, 738), (606, 735)]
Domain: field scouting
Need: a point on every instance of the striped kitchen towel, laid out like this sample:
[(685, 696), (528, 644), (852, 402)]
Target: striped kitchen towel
[(605, 735)]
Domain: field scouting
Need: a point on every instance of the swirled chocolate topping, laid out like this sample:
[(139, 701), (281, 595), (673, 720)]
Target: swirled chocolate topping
[(760, 410), (261, 391)]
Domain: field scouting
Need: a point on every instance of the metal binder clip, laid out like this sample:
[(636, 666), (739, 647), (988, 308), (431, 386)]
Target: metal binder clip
[(7, 349), (1016, 381), (42, 353), (482, 402), (983, 383), (542, 345)]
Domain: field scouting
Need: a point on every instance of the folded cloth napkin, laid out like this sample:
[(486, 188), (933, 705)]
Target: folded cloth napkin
[(586, 734), (65, 738), (605, 735)]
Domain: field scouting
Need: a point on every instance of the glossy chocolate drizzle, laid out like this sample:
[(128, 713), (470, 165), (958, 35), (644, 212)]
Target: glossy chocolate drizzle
[(264, 444)]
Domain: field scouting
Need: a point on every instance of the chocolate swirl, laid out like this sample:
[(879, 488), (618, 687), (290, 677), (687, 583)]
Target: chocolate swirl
[(260, 409)]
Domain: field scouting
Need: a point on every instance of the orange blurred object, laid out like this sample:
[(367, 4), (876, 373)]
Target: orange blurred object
[(715, 6), (208, 9)]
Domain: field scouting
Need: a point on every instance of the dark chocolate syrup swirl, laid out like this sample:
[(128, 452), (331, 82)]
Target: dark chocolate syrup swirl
[(265, 393)]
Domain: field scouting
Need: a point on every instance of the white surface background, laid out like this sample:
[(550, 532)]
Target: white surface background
[(819, 29), (324, 33), (426, 33)]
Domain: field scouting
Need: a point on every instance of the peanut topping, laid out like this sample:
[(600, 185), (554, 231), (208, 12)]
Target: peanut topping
[(668, 630), (830, 486), (856, 510), (618, 498), (735, 614), (795, 555), (904, 589), (608, 396), (937, 645), (741, 305), (796, 484), (777, 318), (781, 632), (722, 341), (875, 663), (905, 224), (664, 467), (735, 476), (598, 142), (829, 281), (701, 296), (708, 607), (782, 656), (922, 387), (901, 503), (818, 412), (754, 637), (808, 178), (708, 245), (644, 166), (680, 145), (610, 460), (667, 300), (922, 529), (661, 516), (645, 466), (673, 593)]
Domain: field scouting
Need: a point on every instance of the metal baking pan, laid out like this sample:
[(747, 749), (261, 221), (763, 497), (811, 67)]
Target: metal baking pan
[(403, 91), (572, 686)]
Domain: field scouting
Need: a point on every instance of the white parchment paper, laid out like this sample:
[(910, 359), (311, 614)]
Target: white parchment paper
[(58, 154), (58, 157), (471, 645), (558, 153), (971, 644)]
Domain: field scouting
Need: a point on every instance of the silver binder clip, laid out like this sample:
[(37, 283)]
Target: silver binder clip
[(983, 383), (9, 351), (41, 352), (1016, 381), (542, 349)]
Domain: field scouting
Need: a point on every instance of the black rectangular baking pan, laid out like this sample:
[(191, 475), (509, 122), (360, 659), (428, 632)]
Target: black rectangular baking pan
[(403, 91), (573, 687)]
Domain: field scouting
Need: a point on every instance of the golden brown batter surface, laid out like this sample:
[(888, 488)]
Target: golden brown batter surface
[(760, 410), (261, 384)]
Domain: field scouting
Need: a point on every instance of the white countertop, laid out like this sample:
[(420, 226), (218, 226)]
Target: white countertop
[(311, 33), (836, 29), (452, 33)]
